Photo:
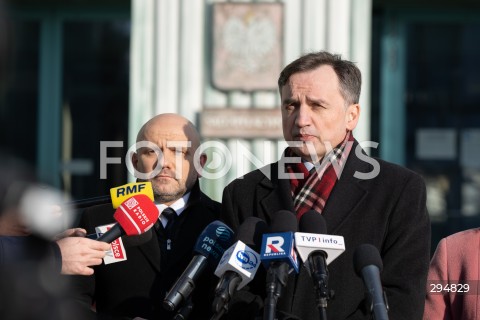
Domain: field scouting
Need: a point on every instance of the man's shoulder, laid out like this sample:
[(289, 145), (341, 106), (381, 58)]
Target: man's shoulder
[(372, 168), (463, 237), (397, 171), (209, 203), (253, 177)]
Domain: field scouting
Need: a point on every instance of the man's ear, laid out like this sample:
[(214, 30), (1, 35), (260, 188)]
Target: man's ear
[(352, 116), (202, 161), (135, 160)]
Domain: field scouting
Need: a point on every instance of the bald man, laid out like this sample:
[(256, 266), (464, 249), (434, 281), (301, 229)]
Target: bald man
[(165, 156)]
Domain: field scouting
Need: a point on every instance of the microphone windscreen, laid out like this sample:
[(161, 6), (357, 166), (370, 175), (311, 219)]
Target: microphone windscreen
[(283, 221), (213, 241), (313, 222), (137, 214), (250, 232), (365, 255)]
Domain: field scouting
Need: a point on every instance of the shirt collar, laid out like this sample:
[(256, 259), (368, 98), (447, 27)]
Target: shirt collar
[(308, 165), (178, 206)]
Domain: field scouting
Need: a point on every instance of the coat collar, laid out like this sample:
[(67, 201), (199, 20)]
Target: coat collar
[(348, 193)]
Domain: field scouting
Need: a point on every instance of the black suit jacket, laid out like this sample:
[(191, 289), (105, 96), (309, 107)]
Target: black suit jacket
[(137, 286), (388, 211)]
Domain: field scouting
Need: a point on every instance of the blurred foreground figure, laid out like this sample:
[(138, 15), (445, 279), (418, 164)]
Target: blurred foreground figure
[(31, 284)]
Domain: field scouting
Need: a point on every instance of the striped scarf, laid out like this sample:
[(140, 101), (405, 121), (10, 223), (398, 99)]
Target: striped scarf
[(312, 192)]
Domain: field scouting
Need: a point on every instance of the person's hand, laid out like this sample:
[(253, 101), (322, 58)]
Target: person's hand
[(11, 224), (74, 232), (79, 254)]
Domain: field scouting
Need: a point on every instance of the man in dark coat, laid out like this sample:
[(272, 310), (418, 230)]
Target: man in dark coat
[(155, 260), (363, 199)]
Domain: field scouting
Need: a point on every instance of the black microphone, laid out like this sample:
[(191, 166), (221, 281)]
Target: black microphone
[(314, 224), (368, 265), (279, 256), (239, 263), (209, 248)]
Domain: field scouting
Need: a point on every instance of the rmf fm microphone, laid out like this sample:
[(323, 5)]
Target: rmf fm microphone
[(134, 216), (368, 265), (209, 248), (279, 257), (239, 264), (317, 249), (117, 195)]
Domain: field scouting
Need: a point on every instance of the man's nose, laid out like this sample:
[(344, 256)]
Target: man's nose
[(303, 116)]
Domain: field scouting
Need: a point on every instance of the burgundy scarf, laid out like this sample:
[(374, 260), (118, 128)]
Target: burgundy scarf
[(312, 192)]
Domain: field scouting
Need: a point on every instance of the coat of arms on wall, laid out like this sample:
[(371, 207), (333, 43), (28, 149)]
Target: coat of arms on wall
[(247, 45)]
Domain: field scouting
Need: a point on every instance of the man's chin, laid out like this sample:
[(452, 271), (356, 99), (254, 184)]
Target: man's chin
[(165, 193)]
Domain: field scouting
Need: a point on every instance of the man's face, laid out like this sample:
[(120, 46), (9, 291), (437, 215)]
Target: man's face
[(173, 171), (314, 112)]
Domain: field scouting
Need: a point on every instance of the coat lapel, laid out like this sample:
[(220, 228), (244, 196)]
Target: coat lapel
[(347, 194), (274, 194), (151, 251)]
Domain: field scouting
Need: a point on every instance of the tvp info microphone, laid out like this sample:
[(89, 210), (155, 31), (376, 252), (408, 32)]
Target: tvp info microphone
[(317, 249)]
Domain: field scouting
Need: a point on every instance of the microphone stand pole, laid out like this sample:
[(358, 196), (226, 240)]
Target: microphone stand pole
[(223, 293), (277, 276), (320, 282), (184, 311)]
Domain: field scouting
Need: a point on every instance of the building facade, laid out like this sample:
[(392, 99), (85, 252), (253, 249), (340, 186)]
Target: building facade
[(85, 75)]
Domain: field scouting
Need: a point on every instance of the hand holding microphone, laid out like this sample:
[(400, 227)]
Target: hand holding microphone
[(79, 254), (239, 263), (368, 265)]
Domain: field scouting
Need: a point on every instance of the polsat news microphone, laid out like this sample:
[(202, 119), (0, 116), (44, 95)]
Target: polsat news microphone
[(209, 248)]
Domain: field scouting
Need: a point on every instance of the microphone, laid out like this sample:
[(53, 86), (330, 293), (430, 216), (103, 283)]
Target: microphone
[(117, 195), (279, 257), (134, 216), (239, 263), (317, 250), (209, 248), (368, 265)]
